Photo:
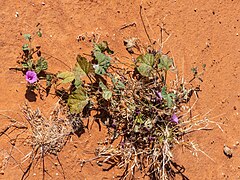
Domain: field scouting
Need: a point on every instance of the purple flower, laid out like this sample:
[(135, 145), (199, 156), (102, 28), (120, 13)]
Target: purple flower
[(122, 144), (174, 119), (137, 111), (159, 96), (31, 77), (150, 138)]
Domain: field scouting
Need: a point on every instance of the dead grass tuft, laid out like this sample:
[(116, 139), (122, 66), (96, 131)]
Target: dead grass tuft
[(48, 135)]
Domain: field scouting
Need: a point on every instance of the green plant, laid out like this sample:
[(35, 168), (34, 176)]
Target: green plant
[(140, 109), (79, 93), (34, 66), (148, 116), (136, 105)]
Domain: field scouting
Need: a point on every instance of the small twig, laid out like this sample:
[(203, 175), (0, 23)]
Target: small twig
[(128, 25), (144, 26), (64, 177), (58, 60)]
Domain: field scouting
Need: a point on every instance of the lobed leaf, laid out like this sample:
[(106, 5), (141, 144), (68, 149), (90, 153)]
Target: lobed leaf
[(146, 59), (117, 83), (168, 97), (106, 93), (41, 65), (165, 62), (84, 65), (146, 63), (103, 63), (67, 76), (144, 70), (48, 80), (77, 100), (102, 47)]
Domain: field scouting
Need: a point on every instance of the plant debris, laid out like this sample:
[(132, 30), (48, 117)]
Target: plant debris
[(130, 44)]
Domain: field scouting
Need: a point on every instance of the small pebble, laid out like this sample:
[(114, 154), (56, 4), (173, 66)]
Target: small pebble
[(227, 151), (2, 172), (237, 34), (43, 3), (16, 14)]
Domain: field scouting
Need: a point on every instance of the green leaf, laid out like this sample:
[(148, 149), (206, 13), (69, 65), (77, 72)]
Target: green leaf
[(102, 47), (30, 64), (39, 33), (27, 36), (78, 73), (164, 93), (99, 70), (48, 80), (106, 93), (77, 82), (103, 63), (204, 66), (144, 70), (194, 70), (117, 83), (165, 62), (41, 65), (102, 86), (139, 119), (84, 64), (25, 47), (67, 76), (120, 85), (168, 97), (25, 65), (146, 63), (146, 59), (102, 59), (77, 100)]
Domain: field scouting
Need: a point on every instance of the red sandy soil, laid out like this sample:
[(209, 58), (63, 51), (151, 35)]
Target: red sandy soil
[(202, 32)]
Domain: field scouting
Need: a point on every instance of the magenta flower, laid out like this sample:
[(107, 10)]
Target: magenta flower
[(137, 111), (174, 119), (31, 77), (159, 96)]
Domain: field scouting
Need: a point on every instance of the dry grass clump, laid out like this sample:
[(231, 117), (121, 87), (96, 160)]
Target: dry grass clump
[(48, 135)]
